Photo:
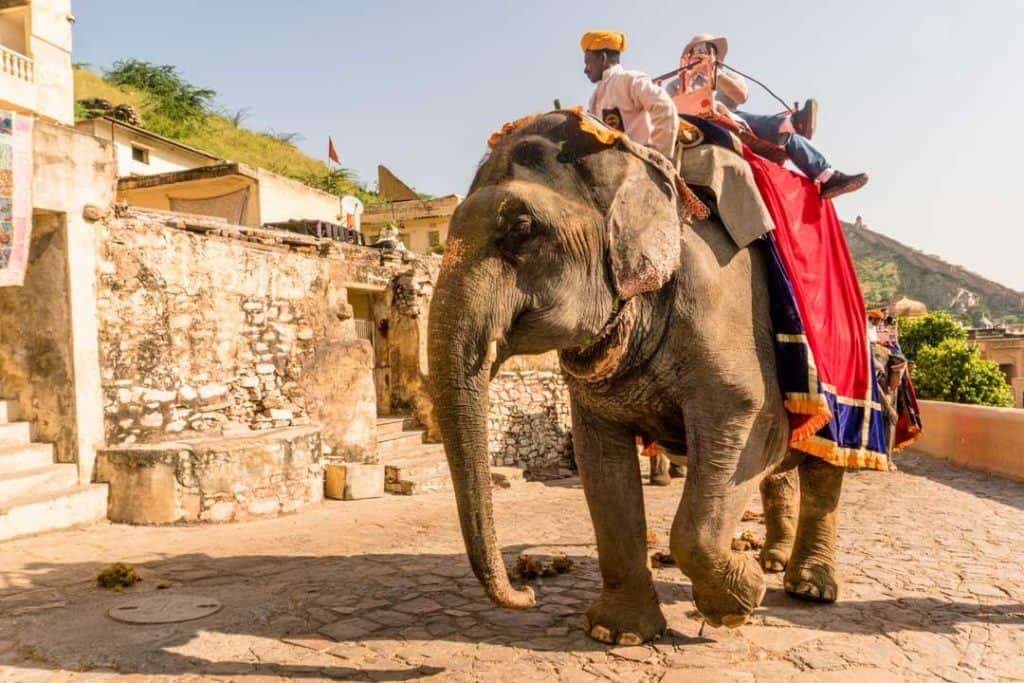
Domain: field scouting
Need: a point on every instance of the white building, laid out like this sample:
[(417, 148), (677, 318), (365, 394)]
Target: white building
[(140, 152), (35, 59)]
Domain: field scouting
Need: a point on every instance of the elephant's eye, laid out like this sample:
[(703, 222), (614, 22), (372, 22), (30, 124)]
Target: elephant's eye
[(515, 230), (521, 225)]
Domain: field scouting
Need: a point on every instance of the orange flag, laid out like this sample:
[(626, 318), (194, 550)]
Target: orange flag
[(332, 153)]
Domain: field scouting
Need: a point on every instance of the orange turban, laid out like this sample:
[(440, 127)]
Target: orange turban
[(603, 40)]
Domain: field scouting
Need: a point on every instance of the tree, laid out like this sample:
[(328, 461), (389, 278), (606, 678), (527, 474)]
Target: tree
[(954, 371), (928, 330), (174, 107)]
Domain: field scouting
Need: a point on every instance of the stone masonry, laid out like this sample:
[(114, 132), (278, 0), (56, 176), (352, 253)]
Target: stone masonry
[(529, 422), (202, 335), (213, 479)]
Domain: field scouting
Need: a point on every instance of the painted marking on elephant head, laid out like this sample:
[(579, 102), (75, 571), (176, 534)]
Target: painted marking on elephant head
[(454, 254)]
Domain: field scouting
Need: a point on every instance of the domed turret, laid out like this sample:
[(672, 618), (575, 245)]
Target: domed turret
[(907, 308)]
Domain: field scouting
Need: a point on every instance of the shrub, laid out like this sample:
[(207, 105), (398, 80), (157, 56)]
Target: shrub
[(954, 371), (928, 330), (174, 107)]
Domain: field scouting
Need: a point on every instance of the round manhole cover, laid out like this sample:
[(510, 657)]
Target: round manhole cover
[(164, 609)]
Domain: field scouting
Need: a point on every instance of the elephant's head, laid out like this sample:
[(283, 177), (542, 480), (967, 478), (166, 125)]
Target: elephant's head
[(559, 232)]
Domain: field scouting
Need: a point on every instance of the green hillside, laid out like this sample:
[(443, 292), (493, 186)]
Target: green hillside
[(220, 137), (888, 270)]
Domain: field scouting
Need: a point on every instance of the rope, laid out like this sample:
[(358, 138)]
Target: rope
[(769, 90), (673, 72)]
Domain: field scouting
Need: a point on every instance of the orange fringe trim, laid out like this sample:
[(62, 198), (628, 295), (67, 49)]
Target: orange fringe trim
[(915, 434), (804, 439), (495, 138), (603, 134), (843, 457), (818, 412)]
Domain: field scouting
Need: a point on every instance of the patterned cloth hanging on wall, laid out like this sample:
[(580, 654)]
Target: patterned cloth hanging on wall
[(15, 196)]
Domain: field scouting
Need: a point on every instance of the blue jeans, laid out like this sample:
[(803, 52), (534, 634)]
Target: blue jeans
[(802, 153)]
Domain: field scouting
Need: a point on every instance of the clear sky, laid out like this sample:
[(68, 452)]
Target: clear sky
[(924, 96)]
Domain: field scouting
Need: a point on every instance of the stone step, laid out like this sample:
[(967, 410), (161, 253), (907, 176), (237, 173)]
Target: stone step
[(38, 512), (49, 479), (24, 457), (9, 411), (392, 424), (13, 433), (425, 472), (397, 445)]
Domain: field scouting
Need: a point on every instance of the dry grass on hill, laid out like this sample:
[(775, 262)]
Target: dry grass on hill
[(221, 137)]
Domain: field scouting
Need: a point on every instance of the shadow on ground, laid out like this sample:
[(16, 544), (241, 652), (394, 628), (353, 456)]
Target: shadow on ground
[(975, 483), (380, 603)]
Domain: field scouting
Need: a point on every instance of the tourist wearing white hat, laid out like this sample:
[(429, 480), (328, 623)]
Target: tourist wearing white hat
[(791, 130)]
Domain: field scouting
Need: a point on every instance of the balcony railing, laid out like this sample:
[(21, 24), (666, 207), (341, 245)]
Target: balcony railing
[(17, 65)]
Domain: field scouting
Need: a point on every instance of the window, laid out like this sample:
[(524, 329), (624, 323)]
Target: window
[(435, 237), (140, 154)]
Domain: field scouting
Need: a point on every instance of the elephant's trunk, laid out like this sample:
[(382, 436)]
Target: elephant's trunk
[(465, 316)]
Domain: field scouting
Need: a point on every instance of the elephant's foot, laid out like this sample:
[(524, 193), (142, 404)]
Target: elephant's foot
[(661, 479), (811, 581), (659, 469), (729, 596), (775, 557), (624, 620)]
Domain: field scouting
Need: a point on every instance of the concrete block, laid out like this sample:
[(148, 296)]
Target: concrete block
[(213, 479), (353, 481)]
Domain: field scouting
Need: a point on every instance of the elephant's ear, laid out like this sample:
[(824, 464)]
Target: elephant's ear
[(644, 233)]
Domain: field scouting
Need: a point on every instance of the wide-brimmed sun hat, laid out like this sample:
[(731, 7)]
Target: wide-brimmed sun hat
[(720, 43)]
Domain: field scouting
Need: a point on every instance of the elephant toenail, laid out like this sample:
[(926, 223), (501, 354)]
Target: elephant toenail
[(630, 639), (601, 633)]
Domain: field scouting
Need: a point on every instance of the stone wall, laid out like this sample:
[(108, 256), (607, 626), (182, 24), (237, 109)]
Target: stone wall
[(529, 423), (213, 479), (410, 297), (214, 329), (976, 437)]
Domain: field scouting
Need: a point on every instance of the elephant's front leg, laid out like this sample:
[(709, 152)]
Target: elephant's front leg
[(727, 464), (627, 612), (811, 573)]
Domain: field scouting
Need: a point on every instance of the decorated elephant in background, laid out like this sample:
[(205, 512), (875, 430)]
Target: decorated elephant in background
[(572, 240)]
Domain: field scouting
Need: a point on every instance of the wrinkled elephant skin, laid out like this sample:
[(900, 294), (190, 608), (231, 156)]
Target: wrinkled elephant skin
[(663, 331)]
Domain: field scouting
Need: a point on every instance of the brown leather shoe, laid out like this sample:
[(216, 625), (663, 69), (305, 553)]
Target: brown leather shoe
[(840, 183), (805, 119)]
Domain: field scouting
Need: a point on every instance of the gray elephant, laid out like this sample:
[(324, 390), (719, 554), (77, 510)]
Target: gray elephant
[(572, 242)]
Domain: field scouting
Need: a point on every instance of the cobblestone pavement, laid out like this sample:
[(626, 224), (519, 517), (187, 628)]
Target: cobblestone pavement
[(932, 588)]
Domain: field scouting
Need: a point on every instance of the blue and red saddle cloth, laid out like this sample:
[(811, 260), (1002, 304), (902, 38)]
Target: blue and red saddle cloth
[(825, 363)]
